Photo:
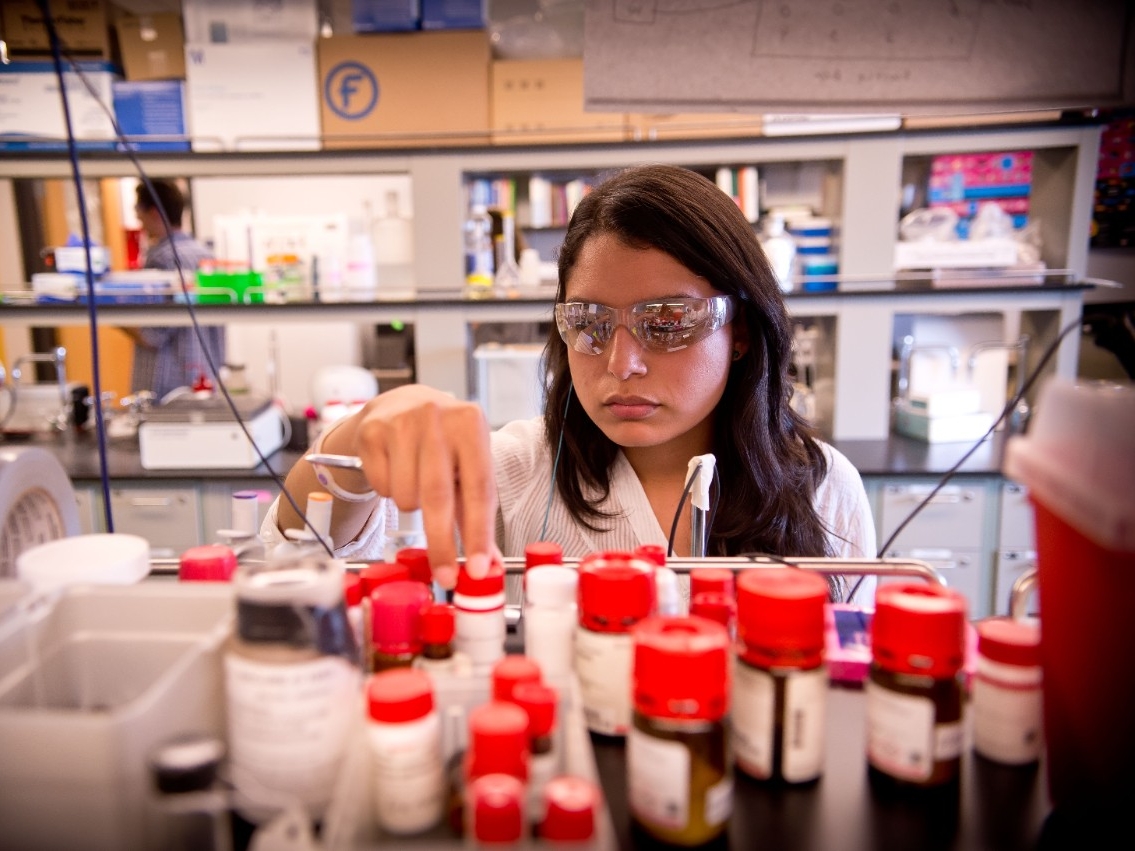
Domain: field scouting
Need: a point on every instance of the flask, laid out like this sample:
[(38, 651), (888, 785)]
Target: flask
[(1007, 707), (481, 627), (679, 786), (780, 681), (549, 621), (290, 665), (404, 734), (396, 611), (914, 696), (506, 281), (780, 249), (479, 258), (616, 591), (438, 655)]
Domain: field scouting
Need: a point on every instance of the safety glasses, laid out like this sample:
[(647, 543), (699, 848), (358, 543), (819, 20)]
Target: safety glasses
[(660, 325)]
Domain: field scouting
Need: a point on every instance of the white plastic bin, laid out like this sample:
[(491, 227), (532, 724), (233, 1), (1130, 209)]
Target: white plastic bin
[(91, 680)]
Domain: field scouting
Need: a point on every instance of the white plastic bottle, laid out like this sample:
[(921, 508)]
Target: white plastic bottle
[(404, 733), (550, 618), (480, 624), (780, 249)]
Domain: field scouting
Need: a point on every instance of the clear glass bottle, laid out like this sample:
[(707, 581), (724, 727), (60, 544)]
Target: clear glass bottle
[(480, 262), (396, 612), (506, 281)]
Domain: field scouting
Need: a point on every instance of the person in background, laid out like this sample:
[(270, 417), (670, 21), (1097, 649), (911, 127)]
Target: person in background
[(672, 340), (168, 357)]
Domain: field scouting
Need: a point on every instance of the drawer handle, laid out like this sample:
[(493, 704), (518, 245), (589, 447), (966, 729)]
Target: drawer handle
[(151, 501)]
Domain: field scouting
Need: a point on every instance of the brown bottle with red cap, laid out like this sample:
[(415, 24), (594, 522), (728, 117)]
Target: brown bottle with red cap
[(914, 693), (679, 785), (780, 681)]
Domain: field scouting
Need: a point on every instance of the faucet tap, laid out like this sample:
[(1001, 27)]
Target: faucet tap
[(1019, 416), (909, 349)]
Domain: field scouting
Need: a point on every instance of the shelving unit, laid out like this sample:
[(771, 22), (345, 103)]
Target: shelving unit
[(862, 184)]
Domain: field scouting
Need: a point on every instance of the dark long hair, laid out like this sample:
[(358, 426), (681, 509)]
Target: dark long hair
[(768, 459)]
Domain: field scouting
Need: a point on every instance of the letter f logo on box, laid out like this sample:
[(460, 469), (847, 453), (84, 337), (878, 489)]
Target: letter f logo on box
[(351, 90)]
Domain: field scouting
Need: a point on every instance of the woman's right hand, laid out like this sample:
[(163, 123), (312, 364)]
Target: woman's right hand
[(425, 449)]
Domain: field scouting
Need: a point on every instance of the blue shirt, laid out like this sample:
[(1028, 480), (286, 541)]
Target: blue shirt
[(171, 356)]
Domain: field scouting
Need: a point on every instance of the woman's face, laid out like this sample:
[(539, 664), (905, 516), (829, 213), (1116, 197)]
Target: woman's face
[(638, 397)]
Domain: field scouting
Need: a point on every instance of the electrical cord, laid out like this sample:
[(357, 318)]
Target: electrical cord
[(92, 310), (1010, 406), (59, 53), (555, 467)]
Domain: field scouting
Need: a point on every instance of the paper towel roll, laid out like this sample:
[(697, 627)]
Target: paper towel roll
[(37, 503)]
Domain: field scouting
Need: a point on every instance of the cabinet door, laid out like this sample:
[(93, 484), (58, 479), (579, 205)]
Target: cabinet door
[(953, 519), (1016, 531), (90, 510), (169, 518), (963, 570)]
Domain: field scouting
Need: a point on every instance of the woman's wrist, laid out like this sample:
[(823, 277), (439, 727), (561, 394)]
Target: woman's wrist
[(324, 475)]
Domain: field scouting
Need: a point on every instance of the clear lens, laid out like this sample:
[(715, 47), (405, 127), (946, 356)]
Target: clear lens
[(666, 325)]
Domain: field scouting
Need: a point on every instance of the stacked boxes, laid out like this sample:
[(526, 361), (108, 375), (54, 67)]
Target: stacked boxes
[(963, 182)]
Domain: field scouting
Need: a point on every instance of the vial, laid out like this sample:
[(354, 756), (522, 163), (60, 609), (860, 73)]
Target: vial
[(914, 693), (417, 562), (679, 785), (714, 607), (510, 672), (498, 744), (291, 661), (438, 655), (495, 811), (616, 591), (396, 612), (481, 627), (571, 811), (539, 702), (404, 735), (1008, 722), (550, 620), (780, 682)]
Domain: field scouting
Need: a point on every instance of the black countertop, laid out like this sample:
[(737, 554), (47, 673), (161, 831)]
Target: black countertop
[(896, 456)]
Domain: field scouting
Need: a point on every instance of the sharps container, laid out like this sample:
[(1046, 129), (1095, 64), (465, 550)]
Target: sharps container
[(1078, 463)]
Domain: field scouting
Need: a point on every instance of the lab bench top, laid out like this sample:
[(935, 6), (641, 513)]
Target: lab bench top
[(896, 456)]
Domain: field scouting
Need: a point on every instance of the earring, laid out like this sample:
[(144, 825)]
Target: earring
[(736, 354)]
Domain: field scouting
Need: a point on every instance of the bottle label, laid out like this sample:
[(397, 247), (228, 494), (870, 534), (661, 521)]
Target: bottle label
[(900, 733), (1007, 722), (288, 728), (754, 698), (603, 664), (409, 778), (801, 719), (658, 780), (719, 801)]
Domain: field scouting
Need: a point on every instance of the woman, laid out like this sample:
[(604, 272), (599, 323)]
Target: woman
[(672, 341)]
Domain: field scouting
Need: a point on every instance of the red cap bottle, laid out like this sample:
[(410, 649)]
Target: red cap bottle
[(510, 672), (780, 617)]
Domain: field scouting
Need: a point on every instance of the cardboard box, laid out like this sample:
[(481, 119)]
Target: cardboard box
[(152, 47), (385, 16), (242, 21), (693, 125), (406, 89), (151, 115), (454, 14), (252, 97), (541, 101), (81, 25), (31, 112)]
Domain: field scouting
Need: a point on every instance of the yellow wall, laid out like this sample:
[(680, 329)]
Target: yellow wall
[(116, 350)]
